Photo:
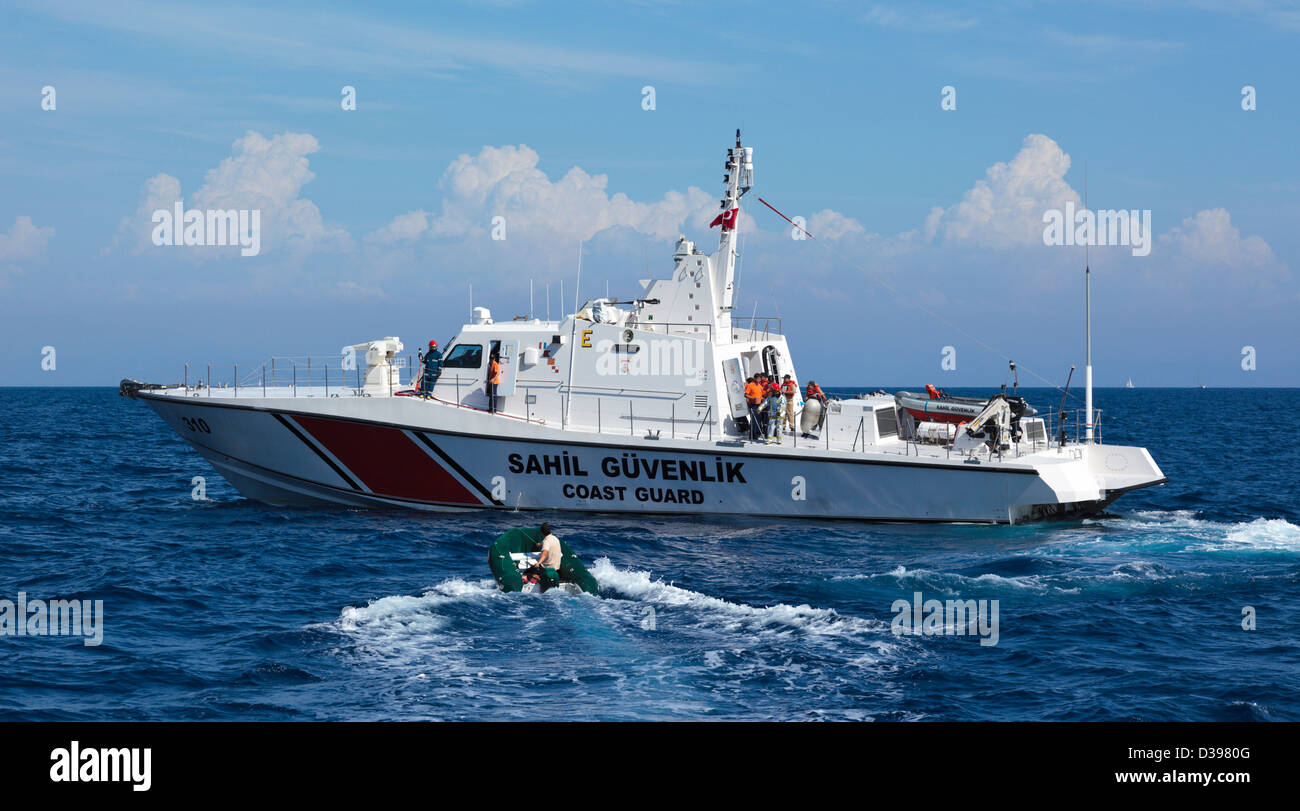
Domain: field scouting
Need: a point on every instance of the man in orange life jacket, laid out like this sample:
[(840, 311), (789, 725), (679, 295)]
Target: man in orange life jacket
[(815, 392), (789, 388), (763, 385), (754, 399), (493, 380)]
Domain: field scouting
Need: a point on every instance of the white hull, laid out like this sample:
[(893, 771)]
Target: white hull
[(411, 453)]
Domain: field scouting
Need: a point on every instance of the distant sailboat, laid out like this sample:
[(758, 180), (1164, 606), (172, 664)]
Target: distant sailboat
[(1129, 384)]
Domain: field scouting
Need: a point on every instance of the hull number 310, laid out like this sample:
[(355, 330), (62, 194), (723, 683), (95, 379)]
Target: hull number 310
[(196, 424)]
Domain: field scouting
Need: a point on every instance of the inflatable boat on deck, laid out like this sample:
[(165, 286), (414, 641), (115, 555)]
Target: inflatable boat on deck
[(513, 553), (936, 405)]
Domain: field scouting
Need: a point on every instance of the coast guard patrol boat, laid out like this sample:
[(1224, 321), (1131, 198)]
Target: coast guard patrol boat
[(627, 406)]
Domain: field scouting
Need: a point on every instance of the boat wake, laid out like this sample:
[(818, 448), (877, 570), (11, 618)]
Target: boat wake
[(1183, 528), (632, 598), (1108, 557), (641, 637), (730, 617)]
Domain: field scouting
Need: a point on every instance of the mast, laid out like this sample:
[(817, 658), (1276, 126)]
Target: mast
[(1087, 319), (738, 179)]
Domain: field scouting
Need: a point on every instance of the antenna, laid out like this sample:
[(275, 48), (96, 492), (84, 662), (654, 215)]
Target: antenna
[(471, 302), (573, 333), (1087, 316), (530, 298)]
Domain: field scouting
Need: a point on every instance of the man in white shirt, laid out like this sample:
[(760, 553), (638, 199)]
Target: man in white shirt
[(548, 562)]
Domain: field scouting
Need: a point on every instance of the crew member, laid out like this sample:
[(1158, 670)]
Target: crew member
[(814, 392), (754, 399), (789, 388), (432, 366), (775, 412), (493, 380)]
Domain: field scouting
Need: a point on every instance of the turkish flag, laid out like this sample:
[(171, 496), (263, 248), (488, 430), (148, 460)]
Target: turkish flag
[(727, 218)]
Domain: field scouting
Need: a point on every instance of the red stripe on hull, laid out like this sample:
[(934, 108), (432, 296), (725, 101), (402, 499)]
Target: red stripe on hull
[(387, 461)]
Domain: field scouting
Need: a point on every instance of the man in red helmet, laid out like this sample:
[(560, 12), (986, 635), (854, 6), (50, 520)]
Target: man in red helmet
[(432, 366)]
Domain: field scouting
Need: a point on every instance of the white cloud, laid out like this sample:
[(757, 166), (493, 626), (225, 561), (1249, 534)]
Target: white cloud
[(262, 174), (1104, 44), (24, 240), (1005, 209), (505, 181), (367, 43), (403, 228), (829, 224), (268, 174), (913, 18), (160, 192), (1210, 238)]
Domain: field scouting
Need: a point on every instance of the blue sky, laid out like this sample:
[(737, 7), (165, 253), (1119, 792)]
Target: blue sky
[(376, 220)]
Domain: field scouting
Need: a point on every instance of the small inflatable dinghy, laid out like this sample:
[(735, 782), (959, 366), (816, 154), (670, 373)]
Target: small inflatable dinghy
[(512, 554), (936, 405)]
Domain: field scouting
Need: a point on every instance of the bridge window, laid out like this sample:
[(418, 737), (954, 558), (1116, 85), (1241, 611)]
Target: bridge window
[(464, 356)]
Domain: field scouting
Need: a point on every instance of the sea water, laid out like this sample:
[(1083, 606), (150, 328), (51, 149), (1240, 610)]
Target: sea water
[(1178, 605)]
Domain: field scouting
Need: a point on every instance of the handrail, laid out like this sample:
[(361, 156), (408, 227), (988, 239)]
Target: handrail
[(737, 324), (579, 388), (649, 326), (707, 414), (296, 376)]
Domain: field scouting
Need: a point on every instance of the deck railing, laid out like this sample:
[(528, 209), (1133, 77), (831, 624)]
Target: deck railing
[(753, 328), (293, 376), (339, 376)]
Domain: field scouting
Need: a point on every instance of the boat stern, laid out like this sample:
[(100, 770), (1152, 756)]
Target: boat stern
[(1121, 468)]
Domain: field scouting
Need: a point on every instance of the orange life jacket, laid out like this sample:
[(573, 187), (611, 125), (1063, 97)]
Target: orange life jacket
[(789, 388)]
